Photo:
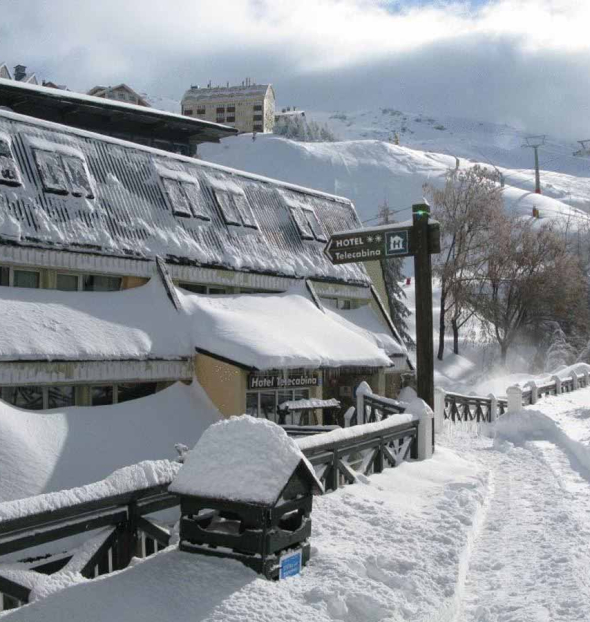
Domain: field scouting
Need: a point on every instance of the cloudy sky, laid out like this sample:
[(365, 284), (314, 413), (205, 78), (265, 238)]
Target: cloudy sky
[(522, 62)]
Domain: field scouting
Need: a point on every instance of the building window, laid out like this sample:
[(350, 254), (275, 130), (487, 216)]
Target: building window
[(9, 173), (29, 398), (26, 278), (4, 277), (133, 391), (102, 395), (235, 209), (220, 120), (68, 282), (307, 222), (231, 108), (220, 110), (201, 110), (60, 397), (265, 403), (231, 119), (188, 112), (257, 117), (99, 283), (202, 289), (63, 174), (185, 198), (257, 128), (258, 108)]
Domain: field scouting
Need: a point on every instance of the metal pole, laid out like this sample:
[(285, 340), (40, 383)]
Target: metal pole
[(537, 175), (424, 323)]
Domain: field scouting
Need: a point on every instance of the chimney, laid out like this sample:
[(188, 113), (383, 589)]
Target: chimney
[(20, 71)]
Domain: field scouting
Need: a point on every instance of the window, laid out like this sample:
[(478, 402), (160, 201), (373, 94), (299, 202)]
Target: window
[(235, 209), (9, 173), (231, 119), (188, 112), (98, 283), (201, 110), (102, 395), (220, 110), (29, 398), (26, 278), (231, 108), (185, 198), (307, 222), (60, 397), (77, 177), (265, 403), (63, 173), (220, 120), (67, 282), (4, 277), (202, 289), (258, 108), (257, 117), (133, 391)]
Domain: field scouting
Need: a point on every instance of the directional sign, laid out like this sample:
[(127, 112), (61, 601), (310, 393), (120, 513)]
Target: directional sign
[(378, 243)]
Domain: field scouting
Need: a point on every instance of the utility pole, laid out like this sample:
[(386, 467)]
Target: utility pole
[(584, 152), (534, 142), (384, 213)]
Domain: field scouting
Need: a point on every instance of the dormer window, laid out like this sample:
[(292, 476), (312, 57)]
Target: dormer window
[(62, 170), (183, 193), (9, 173), (308, 224), (235, 207)]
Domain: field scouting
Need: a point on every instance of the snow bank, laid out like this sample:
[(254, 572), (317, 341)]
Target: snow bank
[(243, 459), (276, 331), (44, 451), (138, 323), (136, 477), (390, 549)]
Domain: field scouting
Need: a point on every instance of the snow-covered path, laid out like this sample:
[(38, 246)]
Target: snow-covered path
[(529, 561)]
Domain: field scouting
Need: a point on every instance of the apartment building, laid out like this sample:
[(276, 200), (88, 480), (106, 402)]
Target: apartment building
[(248, 107), (121, 92)]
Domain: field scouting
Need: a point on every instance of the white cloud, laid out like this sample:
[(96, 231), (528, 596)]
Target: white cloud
[(540, 49)]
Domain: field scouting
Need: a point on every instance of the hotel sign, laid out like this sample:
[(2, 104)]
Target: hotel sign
[(378, 243), (276, 381)]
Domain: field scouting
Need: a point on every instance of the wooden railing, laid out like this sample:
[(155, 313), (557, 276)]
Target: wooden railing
[(121, 528), (339, 460), (126, 532), (479, 409)]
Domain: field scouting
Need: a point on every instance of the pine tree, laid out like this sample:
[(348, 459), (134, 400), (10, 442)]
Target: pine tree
[(392, 276), (560, 353)]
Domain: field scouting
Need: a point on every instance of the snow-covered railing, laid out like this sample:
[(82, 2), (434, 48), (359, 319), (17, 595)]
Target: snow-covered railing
[(339, 457), (371, 407), (571, 379), (456, 407), (117, 506)]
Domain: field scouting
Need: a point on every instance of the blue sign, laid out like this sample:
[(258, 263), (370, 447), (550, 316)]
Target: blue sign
[(291, 564), (396, 242)]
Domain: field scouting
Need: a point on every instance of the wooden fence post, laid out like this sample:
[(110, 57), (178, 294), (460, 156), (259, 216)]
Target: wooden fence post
[(348, 415), (534, 391), (557, 382), (586, 377), (514, 395), (493, 407), (439, 409), (575, 384)]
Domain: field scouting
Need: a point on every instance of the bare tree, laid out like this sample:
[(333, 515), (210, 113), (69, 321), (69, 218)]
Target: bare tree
[(464, 207), (528, 279)]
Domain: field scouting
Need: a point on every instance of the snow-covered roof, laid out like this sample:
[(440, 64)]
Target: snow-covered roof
[(113, 105), (365, 322), (275, 331), (252, 91), (130, 212), (51, 450), (241, 459), (51, 325)]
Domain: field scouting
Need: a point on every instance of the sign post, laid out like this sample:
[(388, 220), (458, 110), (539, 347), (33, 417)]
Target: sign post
[(420, 239)]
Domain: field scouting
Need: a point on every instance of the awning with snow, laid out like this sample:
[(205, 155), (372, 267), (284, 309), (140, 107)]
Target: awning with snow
[(130, 325), (278, 331)]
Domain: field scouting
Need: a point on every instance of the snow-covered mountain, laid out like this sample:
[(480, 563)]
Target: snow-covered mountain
[(369, 171)]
